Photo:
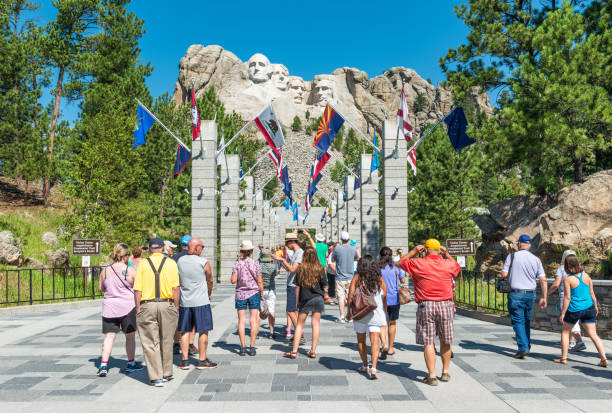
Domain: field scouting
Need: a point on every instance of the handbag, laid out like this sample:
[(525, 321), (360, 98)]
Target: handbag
[(362, 304), (502, 285), (264, 312), (404, 293)]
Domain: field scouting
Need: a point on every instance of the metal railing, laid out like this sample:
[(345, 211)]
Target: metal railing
[(477, 291), (36, 286)]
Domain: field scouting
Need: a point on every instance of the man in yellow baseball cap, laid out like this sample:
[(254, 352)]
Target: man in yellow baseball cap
[(432, 244)]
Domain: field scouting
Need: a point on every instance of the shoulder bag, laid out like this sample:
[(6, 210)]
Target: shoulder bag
[(361, 305), (124, 284), (502, 285), (405, 295)]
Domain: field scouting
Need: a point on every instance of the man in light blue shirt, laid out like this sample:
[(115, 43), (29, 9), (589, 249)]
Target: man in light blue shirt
[(524, 269)]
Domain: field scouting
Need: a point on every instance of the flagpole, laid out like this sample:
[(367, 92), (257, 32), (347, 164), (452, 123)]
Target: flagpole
[(345, 167), (261, 159), (229, 178), (262, 187), (162, 125), (354, 127), (413, 147), (243, 128)]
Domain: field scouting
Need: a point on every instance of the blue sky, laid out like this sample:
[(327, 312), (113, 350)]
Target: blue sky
[(309, 38)]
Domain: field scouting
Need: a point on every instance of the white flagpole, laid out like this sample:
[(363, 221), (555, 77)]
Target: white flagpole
[(353, 125), (413, 147), (260, 188), (243, 128), (261, 159), (162, 125)]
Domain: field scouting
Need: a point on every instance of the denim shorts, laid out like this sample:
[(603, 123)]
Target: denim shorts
[(584, 316), (199, 318), (253, 302)]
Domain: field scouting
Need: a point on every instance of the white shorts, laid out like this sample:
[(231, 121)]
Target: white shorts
[(362, 328), (270, 299)]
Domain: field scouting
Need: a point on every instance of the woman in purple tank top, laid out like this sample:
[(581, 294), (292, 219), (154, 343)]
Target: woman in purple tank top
[(392, 276), (118, 308)]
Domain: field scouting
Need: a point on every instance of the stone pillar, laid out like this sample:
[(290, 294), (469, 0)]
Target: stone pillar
[(334, 222), (342, 224), (353, 211), (230, 204), (204, 193), (246, 206), (395, 187), (369, 208), (257, 219)]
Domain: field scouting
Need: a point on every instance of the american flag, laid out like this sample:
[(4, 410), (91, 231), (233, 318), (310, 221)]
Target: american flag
[(403, 118), (195, 117), (277, 158), (412, 160)]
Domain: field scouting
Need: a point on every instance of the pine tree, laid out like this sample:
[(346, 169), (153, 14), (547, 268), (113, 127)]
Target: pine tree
[(296, 126)]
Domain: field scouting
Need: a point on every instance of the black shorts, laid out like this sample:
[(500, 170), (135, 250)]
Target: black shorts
[(291, 300), (393, 312), (198, 317), (127, 323), (314, 305), (587, 316)]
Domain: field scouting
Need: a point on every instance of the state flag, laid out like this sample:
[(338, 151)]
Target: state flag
[(268, 125), (195, 117), (403, 118), (330, 123), (183, 156), (144, 121), (457, 127)]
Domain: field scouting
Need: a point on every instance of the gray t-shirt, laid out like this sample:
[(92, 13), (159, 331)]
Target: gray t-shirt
[(561, 273), (194, 289), (526, 269), (295, 257), (344, 256)]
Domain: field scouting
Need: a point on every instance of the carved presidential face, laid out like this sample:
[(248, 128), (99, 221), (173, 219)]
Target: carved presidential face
[(323, 90), (297, 89), (259, 68), (280, 76)]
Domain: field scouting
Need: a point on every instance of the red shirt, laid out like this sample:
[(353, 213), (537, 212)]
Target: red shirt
[(432, 277)]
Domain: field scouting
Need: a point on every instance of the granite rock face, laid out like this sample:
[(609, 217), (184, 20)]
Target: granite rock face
[(59, 259), (50, 238), (246, 87), (578, 217)]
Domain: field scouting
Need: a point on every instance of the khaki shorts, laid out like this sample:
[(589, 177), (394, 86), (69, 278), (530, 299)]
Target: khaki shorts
[(342, 290)]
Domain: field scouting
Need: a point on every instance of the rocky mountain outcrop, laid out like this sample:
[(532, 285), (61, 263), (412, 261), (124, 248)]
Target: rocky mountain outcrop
[(10, 253), (246, 87), (577, 217), (59, 259), (50, 238)]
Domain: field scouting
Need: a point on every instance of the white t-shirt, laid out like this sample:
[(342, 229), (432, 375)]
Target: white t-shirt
[(561, 273)]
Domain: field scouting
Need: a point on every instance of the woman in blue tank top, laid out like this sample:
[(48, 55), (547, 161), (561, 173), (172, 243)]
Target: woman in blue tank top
[(579, 304)]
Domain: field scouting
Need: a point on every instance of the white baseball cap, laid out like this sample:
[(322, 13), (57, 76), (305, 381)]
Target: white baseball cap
[(169, 244), (345, 236)]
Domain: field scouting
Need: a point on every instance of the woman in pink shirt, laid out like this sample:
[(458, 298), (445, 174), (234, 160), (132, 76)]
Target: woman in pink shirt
[(118, 308)]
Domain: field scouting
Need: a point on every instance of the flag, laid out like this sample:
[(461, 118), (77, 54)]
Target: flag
[(403, 119), (195, 117), (294, 209), (183, 156), (357, 184), (329, 211), (375, 161), (305, 216), (270, 128), (277, 158), (287, 204), (144, 121), (323, 217), (329, 124), (412, 160), (308, 202), (319, 162), (221, 155), (286, 182), (457, 125), (241, 172)]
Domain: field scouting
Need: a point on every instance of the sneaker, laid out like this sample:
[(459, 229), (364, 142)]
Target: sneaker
[(341, 320), (302, 340), (242, 351), (252, 351), (167, 378), (102, 371), (183, 364), (193, 350), (177, 348), (206, 364), (289, 338), (157, 383), (580, 346), (131, 367), (521, 355), (273, 335)]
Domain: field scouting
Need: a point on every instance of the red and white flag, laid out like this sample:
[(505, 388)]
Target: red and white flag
[(403, 119), (268, 125), (277, 158), (412, 160), (195, 117)]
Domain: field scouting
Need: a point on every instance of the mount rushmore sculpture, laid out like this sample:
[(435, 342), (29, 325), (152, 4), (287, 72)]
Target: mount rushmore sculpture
[(245, 87)]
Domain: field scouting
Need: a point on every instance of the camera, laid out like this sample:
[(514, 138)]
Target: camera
[(300, 231)]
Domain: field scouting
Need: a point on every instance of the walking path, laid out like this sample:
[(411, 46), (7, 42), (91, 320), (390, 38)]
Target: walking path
[(48, 363)]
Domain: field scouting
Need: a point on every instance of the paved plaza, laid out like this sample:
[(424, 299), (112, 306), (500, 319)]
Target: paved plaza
[(48, 363)]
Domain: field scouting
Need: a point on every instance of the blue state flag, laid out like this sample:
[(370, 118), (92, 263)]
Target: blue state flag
[(183, 156), (457, 126), (144, 121), (375, 160), (357, 184), (294, 208), (287, 204), (330, 123)]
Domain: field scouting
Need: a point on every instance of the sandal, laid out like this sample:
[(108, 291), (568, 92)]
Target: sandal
[(383, 354), (560, 361), (312, 355), (363, 369), (603, 363), (391, 354), (372, 373), (290, 355)]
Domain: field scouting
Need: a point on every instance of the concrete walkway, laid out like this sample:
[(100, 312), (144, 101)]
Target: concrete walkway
[(48, 363)]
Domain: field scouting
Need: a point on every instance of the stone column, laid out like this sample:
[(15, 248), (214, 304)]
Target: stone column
[(342, 224), (395, 187), (334, 222), (257, 219), (246, 206), (230, 204), (204, 193), (353, 211), (369, 208)]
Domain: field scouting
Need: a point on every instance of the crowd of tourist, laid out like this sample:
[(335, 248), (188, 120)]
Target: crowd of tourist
[(167, 298)]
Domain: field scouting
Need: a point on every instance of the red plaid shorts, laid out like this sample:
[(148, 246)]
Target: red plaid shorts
[(435, 318)]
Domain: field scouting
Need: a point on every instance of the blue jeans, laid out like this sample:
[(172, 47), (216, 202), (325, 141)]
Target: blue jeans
[(519, 307)]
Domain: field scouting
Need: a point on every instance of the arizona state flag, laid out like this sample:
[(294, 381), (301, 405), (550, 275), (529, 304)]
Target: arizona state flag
[(330, 123), (183, 156)]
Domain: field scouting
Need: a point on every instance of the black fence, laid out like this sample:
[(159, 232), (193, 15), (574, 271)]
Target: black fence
[(477, 291), (36, 286)]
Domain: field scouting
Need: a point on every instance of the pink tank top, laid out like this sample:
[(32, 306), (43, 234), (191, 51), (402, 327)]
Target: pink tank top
[(119, 294)]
